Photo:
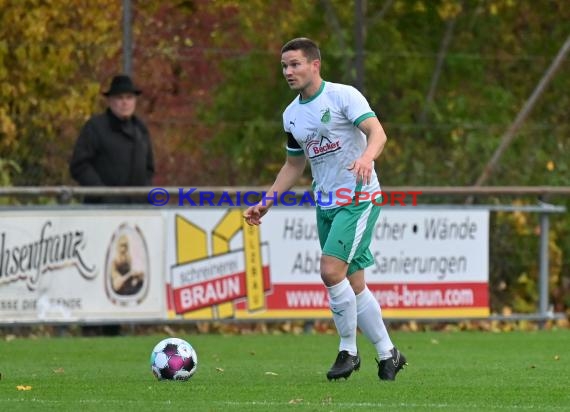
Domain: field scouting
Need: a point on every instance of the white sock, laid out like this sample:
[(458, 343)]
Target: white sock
[(342, 302), (371, 324)]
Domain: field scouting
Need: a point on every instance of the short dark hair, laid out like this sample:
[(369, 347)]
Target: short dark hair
[(307, 46)]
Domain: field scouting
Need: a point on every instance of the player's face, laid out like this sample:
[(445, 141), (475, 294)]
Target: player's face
[(298, 71), (123, 105)]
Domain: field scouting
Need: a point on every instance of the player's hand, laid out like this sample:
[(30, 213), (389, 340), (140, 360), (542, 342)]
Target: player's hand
[(362, 170), (253, 214)]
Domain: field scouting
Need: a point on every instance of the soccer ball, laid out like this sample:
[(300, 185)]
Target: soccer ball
[(173, 359)]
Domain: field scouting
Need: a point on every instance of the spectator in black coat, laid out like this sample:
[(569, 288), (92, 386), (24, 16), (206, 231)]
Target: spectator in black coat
[(114, 148)]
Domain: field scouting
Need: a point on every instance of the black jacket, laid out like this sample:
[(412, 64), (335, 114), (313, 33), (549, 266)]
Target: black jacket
[(113, 152)]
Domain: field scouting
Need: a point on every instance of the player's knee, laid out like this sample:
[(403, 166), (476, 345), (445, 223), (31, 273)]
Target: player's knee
[(333, 270)]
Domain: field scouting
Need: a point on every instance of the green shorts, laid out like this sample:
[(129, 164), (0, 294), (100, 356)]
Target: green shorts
[(345, 232)]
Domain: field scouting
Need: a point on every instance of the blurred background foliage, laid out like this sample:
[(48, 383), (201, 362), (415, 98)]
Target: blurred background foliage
[(446, 78)]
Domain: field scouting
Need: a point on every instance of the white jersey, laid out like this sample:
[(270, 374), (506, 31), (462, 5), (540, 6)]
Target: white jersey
[(325, 128)]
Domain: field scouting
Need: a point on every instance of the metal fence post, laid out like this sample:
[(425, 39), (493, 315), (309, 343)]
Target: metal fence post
[(127, 38), (544, 268)]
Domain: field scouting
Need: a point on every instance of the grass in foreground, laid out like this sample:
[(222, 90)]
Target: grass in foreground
[(457, 371)]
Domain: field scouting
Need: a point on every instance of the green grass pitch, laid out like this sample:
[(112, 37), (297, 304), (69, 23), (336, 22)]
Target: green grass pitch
[(447, 371)]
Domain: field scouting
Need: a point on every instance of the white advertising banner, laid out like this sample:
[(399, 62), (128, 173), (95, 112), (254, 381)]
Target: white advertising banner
[(427, 263), (84, 265), (207, 263)]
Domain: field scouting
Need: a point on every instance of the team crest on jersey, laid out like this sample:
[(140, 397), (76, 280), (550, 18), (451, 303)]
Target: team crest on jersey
[(326, 116)]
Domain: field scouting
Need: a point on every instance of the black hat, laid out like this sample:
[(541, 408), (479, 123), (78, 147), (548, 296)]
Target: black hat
[(122, 84)]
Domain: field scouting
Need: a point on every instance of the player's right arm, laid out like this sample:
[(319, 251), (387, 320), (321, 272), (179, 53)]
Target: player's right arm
[(289, 174)]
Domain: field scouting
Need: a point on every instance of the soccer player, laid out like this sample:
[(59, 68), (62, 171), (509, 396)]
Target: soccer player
[(334, 127)]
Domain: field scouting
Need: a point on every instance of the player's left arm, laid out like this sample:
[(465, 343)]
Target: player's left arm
[(376, 139)]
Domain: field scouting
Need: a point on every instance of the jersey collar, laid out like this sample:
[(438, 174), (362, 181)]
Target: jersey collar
[(313, 97)]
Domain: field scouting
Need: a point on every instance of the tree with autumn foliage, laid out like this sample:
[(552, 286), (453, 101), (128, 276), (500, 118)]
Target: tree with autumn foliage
[(50, 53)]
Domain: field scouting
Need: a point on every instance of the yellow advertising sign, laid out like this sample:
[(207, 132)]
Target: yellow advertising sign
[(207, 286)]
